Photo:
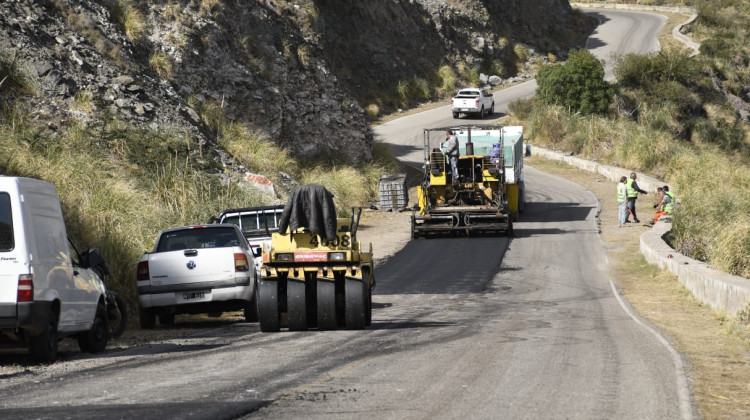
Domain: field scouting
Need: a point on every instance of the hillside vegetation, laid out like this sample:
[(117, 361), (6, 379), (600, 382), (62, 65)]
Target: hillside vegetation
[(679, 118), (148, 114)]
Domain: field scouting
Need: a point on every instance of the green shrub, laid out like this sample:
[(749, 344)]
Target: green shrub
[(448, 80), (728, 136), (142, 150), (15, 79), (403, 93), (715, 47), (421, 89), (638, 71), (521, 52), (711, 221), (470, 75), (522, 108), (578, 84)]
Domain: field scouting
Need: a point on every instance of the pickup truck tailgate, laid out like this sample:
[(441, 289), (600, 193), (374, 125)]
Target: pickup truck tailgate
[(465, 103), (190, 267)]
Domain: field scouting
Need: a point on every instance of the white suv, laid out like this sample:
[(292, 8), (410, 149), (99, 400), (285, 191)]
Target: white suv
[(256, 223)]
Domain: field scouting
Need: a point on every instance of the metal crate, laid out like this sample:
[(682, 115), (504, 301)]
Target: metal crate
[(393, 192)]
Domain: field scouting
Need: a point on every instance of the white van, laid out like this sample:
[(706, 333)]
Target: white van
[(46, 292)]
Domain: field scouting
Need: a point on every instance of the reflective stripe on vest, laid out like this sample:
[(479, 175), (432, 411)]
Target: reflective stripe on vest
[(668, 207), (631, 191)]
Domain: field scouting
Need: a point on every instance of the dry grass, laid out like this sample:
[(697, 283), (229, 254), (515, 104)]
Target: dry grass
[(256, 151), (716, 345), (162, 64), (208, 7), (130, 19), (83, 101)]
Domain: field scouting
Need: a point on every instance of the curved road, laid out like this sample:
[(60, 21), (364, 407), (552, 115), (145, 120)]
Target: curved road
[(618, 33), (462, 327)]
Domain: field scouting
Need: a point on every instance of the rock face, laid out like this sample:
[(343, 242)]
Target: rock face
[(295, 71)]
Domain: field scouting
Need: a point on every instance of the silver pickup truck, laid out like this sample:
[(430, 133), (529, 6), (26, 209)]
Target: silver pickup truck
[(473, 101), (196, 270)]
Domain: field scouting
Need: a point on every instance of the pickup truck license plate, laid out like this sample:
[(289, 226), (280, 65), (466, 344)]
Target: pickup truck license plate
[(193, 296), (463, 109)]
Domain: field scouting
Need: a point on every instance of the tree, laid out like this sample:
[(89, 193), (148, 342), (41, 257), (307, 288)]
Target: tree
[(578, 84)]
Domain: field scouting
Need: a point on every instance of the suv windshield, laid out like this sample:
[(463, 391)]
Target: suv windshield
[(7, 242)]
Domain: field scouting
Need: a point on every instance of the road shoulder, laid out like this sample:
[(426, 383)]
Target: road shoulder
[(716, 346)]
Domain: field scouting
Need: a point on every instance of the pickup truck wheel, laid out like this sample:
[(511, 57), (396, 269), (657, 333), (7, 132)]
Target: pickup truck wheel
[(43, 347), (492, 109), (251, 307), (455, 114), (268, 306), (167, 319), (481, 113), (148, 318), (95, 339)]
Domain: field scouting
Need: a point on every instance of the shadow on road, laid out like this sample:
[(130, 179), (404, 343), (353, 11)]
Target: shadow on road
[(207, 409), (400, 150), (528, 233), (556, 212), (408, 325)]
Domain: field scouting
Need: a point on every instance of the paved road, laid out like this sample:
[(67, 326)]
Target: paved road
[(475, 327), (462, 327)]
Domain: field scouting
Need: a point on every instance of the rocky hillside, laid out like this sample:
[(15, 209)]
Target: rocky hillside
[(299, 72)]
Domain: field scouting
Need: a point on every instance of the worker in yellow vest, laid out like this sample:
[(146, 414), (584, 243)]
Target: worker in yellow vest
[(666, 203), (622, 200), (633, 191)]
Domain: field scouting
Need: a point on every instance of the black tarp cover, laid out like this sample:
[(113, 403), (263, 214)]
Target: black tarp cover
[(310, 206)]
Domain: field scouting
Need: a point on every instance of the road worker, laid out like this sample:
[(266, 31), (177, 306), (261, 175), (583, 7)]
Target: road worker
[(451, 150), (633, 191), (665, 204)]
